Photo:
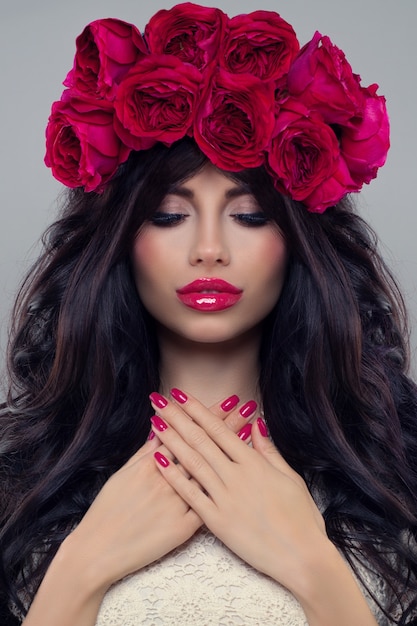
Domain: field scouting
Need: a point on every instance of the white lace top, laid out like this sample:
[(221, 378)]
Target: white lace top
[(203, 583)]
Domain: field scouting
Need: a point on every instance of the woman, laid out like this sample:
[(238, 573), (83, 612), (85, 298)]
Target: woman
[(208, 278)]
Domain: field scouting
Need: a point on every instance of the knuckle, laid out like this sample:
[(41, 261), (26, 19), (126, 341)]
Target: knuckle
[(197, 438), (216, 429), (195, 463), (192, 490)]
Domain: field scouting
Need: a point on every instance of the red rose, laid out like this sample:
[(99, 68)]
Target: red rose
[(305, 160), (190, 32), (323, 80), (235, 120), (260, 43), (81, 146), (365, 141), (106, 50), (156, 101)]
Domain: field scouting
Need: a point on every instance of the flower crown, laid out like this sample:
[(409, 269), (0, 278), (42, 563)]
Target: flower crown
[(240, 86)]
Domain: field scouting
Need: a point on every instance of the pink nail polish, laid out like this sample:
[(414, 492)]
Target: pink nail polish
[(151, 436), (162, 460), (158, 400), (262, 427), (248, 409), (229, 403), (179, 395), (244, 433), (159, 423)]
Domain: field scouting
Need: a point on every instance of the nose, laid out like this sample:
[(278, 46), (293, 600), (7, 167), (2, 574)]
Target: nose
[(209, 246)]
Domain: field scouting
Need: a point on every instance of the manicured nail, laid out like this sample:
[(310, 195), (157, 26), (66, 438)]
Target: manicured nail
[(244, 433), (179, 395), (151, 436), (229, 403), (159, 423), (262, 427), (162, 460), (158, 400), (248, 409)]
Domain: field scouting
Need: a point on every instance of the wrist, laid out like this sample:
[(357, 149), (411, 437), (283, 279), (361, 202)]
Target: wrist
[(328, 591), (70, 592), (83, 566)]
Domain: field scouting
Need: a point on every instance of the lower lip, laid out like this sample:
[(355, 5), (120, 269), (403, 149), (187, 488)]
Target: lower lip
[(209, 301)]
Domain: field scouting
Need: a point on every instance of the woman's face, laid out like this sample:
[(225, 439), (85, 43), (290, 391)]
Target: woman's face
[(209, 267)]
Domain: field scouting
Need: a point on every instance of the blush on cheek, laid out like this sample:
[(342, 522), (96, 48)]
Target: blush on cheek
[(276, 252), (144, 254)]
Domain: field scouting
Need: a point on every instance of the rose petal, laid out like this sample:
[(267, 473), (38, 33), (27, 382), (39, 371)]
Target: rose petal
[(156, 101), (259, 43), (81, 146)]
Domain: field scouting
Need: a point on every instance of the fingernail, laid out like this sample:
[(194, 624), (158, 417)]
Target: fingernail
[(229, 403), (159, 423), (262, 427), (162, 460), (158, 400), (244, 433), (151, 435), (248, 409), (179, 395)]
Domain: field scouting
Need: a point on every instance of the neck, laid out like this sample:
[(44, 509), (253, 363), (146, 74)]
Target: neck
[(211, 372)]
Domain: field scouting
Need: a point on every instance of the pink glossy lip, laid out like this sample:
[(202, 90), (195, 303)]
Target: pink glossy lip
[(209, 294)]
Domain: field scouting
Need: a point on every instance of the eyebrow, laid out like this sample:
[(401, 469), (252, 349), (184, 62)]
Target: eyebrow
[(234, 192)]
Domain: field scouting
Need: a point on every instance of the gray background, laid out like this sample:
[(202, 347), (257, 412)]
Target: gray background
[(36, 52)]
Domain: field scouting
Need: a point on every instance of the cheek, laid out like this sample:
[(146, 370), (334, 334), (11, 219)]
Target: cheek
[(274, 263), (147, 255), (144, 263)]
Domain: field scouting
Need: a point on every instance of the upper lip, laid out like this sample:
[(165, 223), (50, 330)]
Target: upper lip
[(209, 284)]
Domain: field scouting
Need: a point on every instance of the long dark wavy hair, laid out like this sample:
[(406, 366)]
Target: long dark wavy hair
[(83, 358)]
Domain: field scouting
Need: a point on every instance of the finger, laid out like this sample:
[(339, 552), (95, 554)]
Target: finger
[(263, 444), (195, 451), (164, 450), (228, 410), (241, 416), (215, 428), (152, 443), (199, 501), (235, 417), (223, 408)]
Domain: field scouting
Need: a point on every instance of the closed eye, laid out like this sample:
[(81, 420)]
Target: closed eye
[(167, 219), (251, 219)]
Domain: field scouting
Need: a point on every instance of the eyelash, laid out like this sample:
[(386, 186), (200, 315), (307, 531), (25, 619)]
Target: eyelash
[(251, 219), (172, 219), (167, 219)]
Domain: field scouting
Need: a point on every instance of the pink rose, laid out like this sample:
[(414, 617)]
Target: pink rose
[(235, 120), (106, 50), (82, 148), (260, 43), (305, 160), (190, 32), (365, 141), (156, 101), (323, 80)]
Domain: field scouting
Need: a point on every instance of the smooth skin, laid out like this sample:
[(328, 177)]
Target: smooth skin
[(248, 496), (209, 226), (256, 504), (120, 534)]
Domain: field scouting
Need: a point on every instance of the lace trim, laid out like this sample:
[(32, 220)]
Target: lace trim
[(202, 583)]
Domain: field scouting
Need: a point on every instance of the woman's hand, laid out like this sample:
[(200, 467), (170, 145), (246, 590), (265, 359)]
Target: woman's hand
[(137, 517), (253, 501), (249, 497)]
